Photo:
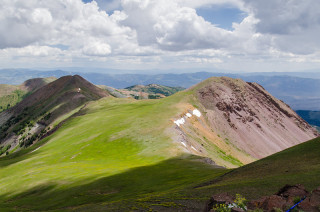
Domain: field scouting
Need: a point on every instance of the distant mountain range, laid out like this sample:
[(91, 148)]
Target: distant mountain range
[(300, 90)]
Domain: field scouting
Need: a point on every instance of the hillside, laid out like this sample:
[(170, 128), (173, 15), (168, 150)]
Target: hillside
[(43, 109), (246, 115), (119, 154), (154, 91), (297, 165), (10, 95), (151, 91)]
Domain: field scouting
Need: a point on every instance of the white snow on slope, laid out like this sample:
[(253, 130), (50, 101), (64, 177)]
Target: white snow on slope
[(196, 112), (192, 147), (179, 122), (188, 115)]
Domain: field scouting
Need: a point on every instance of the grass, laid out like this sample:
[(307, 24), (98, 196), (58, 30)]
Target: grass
[(117, 156), (296, 165), (101, 150), (12, 99)]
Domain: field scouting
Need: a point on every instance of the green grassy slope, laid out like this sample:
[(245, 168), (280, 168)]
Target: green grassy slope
[(12, 99), (297, 165), (90, 159), (33, 116), (118, 156)]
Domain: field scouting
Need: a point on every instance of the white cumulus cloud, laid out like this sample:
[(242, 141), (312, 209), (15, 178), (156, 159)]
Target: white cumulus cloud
[(165, 33)]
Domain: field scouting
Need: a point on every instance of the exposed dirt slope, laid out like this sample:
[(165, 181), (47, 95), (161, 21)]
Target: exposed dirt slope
[(45, 106), (249, 117)]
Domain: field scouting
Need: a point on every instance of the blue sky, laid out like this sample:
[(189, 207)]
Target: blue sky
[(232, 35), (223, 16)]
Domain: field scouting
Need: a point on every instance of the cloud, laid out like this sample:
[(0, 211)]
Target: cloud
[(159, 32), (71, 23), (292, 25), (172, 27), (96, 48)]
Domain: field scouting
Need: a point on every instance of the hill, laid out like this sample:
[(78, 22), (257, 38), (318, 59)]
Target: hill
[(119, 154), (155, 91), (297, 165), (250, 118), (10, 95), (43, 109), (151, 91)]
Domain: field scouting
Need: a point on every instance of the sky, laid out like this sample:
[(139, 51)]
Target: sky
[(164, 35)]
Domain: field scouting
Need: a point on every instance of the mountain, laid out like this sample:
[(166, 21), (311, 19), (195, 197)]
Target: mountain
[(120, 154), (155, 89), (301, 90), (10, 95), (48, 105), (151, 91), (249, 117)]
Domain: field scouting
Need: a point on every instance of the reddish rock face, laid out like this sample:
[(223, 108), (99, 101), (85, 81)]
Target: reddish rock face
[(250, 117)]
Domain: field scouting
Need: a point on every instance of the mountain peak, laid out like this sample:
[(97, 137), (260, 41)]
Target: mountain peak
[(48, 104), (250, 117)]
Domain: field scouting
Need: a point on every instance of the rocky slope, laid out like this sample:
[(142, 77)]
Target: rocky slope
[(249, 118), (50, 104)]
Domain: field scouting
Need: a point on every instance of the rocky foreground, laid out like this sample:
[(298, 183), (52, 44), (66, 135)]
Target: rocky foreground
[(283, 200)]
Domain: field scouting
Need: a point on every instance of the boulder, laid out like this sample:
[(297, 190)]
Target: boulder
[(268, 203), (293, 191)]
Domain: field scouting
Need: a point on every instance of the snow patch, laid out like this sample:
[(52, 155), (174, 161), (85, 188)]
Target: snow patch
[(179, 122), (188, 115), (184, 144), (192, 147), (196, 113)]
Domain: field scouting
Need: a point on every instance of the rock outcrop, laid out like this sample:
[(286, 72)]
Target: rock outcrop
[(250, 118), (284, 199)]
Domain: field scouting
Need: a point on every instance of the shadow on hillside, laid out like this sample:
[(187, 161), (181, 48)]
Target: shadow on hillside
[(170, 184), (128, 187)]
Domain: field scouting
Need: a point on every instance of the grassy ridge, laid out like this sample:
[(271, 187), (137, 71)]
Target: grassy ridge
[(107, 141), (118, 156)]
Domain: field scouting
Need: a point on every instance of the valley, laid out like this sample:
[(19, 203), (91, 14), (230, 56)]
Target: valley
[(109, 153), (159, 106)]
